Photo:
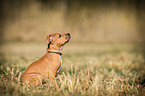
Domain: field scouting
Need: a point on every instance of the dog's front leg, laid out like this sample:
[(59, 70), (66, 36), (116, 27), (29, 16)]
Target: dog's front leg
[(51, 76), (51, 79)]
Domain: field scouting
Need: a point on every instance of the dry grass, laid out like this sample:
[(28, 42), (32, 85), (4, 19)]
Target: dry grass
[(103, 69), (96, 69)]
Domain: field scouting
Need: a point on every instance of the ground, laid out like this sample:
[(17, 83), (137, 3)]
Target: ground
[(103, 69)]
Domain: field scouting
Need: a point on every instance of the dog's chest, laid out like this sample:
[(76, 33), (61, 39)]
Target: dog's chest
[(54, 62), (59, 69)]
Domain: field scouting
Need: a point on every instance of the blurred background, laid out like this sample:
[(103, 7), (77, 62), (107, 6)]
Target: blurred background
[(107, 44), (88, 21)]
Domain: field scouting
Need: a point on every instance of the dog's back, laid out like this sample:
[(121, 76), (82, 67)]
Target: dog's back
[(47, 66)]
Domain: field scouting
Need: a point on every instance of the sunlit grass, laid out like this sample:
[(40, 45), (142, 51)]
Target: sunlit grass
[(109, 71)]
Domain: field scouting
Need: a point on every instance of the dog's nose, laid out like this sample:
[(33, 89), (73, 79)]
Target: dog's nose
[(68, 34)]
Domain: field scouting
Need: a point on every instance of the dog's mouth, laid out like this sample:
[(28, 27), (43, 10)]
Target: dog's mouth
[(68, 37), (67, 41)]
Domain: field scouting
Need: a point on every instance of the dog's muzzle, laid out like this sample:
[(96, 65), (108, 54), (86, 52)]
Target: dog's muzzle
[(68, 34), (68, 37)]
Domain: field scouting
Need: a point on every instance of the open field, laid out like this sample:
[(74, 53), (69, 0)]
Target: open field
[(113, 64), (88, 69)]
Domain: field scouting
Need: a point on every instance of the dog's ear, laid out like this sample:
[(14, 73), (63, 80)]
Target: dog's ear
[(49, 39)]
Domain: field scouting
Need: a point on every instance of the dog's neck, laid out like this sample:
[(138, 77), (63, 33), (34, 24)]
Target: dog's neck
[(54, 49)]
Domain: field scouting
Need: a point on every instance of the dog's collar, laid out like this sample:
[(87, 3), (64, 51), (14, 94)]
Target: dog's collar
[(54, 52)]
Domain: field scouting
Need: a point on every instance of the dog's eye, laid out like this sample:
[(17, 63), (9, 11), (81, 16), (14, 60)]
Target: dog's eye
[(59, 35)]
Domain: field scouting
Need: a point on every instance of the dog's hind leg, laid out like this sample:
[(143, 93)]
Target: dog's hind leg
[(35, 81)]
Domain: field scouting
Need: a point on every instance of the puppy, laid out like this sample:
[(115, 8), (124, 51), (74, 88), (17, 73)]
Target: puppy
[(50, 64)]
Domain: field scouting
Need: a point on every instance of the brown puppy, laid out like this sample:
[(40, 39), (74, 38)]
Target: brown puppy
[(50, 64)]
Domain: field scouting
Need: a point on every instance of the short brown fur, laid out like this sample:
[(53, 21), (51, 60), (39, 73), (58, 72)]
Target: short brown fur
[(47, 66)]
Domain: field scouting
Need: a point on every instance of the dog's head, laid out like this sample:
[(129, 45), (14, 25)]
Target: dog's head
[(58, 39)]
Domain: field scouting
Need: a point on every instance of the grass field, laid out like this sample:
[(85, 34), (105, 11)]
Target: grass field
[(95, 69)]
